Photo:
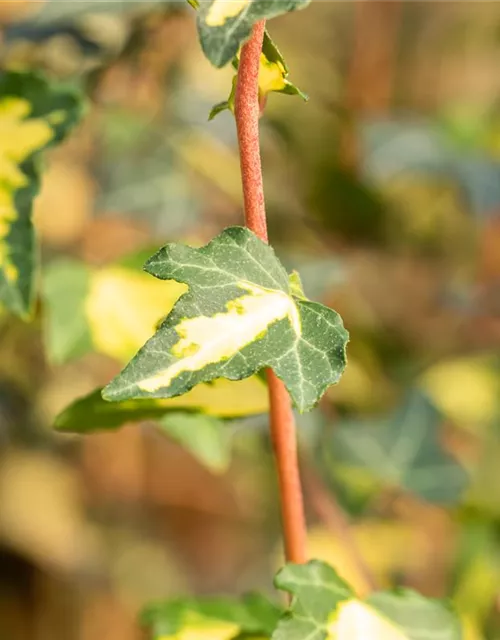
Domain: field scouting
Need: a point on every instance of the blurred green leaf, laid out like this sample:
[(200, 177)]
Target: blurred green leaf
[(207, 438), (238, 317), (224, 26), (415, 616), (220, 398), (33, 116), (402, 451), (344, 204), (65, 288), (216, 618)]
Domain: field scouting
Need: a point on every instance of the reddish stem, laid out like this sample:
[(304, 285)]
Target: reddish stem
[(247, 112)]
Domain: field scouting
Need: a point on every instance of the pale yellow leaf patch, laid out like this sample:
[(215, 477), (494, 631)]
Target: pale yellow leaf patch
[(355, 620), (465, 390), (384, 546), (207, 340), (19, 138), (209, 631), (223, 10), (271, 75), (123, 308), (226, 398)]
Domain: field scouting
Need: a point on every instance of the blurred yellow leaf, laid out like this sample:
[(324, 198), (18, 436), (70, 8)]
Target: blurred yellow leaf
[(382, 544), (64, 204), (466, 390), (41, 512), (13, 10), (470, 629), (209, 630), (477, 588), (123, 308)]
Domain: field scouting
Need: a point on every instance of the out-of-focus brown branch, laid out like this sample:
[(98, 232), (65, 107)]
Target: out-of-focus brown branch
[(370, 75), (333, 517)]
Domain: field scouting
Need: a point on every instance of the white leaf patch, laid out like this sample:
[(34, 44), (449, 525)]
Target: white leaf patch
[(222, 10), (354, 620), (207, 340)]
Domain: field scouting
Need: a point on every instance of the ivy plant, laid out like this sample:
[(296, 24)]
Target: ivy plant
[(233, 319)]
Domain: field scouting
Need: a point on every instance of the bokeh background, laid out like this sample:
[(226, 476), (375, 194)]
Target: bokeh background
[(384, 192)]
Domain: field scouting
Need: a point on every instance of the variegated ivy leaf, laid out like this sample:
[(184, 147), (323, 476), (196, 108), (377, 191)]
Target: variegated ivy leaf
[(240, 315), (273, 76), (324, 606), (33, 116), (252, 617), (224, 25)]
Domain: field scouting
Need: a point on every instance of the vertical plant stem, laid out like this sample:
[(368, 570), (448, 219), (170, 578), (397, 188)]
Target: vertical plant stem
[(247, 113)]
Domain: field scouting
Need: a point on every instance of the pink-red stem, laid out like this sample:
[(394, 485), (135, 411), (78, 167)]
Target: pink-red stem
[(247, 112)]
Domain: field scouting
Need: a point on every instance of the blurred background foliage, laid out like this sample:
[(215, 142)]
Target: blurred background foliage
[(383, 191)]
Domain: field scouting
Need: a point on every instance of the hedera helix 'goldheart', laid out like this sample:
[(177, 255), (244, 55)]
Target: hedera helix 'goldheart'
[(242, 313)]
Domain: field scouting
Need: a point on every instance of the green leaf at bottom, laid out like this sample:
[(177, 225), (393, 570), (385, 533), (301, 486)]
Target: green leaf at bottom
[(324, 606), (317, 590)]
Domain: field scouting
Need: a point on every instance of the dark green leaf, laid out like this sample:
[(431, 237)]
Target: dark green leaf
[(224, 26), (33, 116), (238, 317)]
